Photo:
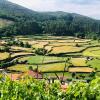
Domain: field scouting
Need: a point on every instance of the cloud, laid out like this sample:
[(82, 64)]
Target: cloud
[(85, 7)]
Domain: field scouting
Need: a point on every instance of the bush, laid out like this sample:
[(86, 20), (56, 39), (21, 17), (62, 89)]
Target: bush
[(41, 51)]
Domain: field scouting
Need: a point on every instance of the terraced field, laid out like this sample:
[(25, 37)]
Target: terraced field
[(93, 51), (78, 61), (66, 53), (66, 49), (42, 59), (4, 55)]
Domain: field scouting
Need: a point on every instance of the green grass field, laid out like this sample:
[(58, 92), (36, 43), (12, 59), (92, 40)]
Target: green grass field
[(95, 63), (78, 61), (42, 59), (93, 51)]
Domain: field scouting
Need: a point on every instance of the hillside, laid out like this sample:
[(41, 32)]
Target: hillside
[(4, 22), (53, 23)]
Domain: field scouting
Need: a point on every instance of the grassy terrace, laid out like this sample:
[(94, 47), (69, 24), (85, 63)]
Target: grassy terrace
[(42, 59), (4, 55), (93, 51), (66, 45)]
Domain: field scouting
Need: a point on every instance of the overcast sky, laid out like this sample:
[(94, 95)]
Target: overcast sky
[(89, 8)]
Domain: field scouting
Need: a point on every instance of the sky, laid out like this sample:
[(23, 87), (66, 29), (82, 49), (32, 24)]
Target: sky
[(84, 7)]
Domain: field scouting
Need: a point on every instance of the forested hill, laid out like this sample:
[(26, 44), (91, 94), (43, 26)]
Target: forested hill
[(26, 21)]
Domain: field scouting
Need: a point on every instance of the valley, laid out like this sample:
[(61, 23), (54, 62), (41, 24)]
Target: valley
[(64, 55)]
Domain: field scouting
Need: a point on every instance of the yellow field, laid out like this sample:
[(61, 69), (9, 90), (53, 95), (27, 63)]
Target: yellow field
[(82, 40), (78, 61), (4, 55), (52, 67), (48, 48), (81, 69), (94, 51), (66, 49), (19, 67), (16, 48), (42, 68), (40, 45), (20, 53)]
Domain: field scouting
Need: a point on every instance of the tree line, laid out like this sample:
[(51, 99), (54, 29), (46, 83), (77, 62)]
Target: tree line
[(28, 22)]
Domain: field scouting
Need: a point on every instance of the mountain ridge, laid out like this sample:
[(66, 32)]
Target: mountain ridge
[(54, 23)]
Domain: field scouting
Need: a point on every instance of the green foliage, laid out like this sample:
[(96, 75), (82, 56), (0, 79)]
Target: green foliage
[(55, 23), (18, 43), (41, 51), (31, 89)]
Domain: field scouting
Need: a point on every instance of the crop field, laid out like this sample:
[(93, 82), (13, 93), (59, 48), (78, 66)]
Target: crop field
[(81, 69), (66, 49), (16, 48), (43, 68), (4, 55), (42, 59), (95, 63), (73, 55), (78, 61), (20, 53), (19, 67), (39, 44), (93, 51)]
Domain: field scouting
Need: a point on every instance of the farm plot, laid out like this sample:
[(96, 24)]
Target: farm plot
[(81, 69), (4, 55), (40, 44), (95, 63), (53, 67), (55, 44), (66, 49), (21, 53), (49, 48), (42, 68), (42, 59), (78, 61), (93, 51), (16, 48), (20, 67)]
